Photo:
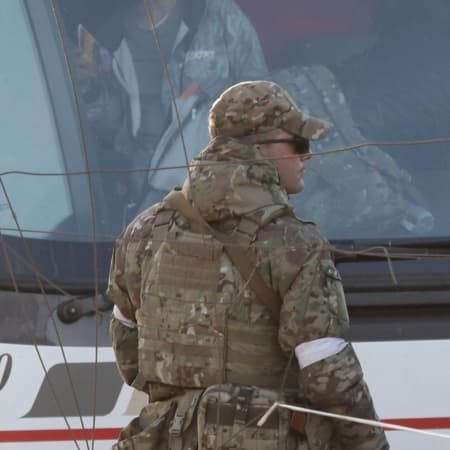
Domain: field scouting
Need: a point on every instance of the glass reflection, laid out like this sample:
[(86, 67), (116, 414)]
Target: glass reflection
[(373, 68)]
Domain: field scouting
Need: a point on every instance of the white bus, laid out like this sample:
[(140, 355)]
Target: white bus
[(377, 69)]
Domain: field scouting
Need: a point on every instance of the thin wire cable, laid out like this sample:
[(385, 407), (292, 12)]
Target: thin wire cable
[(204, 163), (89, 172), (377, 251), (369, 251), (93, 210), (383, 253), (164, 61), (432, 141), (372, 423), (73, 234), (36, 347), (244, 427), (58, 336), (91, 200), (36, 272), (8, 263), (150, 17)]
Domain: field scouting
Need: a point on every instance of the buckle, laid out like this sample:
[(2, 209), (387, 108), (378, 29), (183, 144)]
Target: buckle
[(243, 399), (177, 425)]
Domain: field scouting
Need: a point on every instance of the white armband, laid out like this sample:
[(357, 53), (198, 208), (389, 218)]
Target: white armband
[(122, 319), (313, 351)]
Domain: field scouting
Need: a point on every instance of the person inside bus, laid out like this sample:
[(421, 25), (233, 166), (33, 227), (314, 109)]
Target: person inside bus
[(368, 191), (206, 44), (407, 74), (409, 96)]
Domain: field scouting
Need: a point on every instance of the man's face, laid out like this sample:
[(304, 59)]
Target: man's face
[(290, 165)]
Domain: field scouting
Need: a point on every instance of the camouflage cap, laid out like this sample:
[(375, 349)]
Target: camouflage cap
[(253, 107)]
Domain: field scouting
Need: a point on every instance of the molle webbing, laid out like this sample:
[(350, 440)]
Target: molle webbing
[(246, 267), (248, 360), (227, 413), (161, 228), (186, 335)]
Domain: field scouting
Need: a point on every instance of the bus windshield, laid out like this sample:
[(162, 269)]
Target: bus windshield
[(29, 138), (146, 73)]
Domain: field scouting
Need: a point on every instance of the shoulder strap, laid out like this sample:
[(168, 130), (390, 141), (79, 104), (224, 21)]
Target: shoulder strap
[(264, 293), (161, 226)]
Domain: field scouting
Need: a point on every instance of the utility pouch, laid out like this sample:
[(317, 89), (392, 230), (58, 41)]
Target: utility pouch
[(148, 431), (228, 416), (163, 425), (181, 435)]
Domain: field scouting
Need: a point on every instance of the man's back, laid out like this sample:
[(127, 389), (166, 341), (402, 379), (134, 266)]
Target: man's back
[(197, 323)]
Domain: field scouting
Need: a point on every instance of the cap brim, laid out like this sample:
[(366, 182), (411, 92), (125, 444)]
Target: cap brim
[(314, 128)]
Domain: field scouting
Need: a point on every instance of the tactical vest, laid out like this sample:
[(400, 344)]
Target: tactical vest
[(187, 334)]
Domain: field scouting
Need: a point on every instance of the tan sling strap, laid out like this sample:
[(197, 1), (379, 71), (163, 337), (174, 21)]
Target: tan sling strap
[(266, 295), (186, 408)]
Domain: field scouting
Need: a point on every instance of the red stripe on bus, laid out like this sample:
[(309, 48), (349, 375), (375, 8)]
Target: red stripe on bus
[(431, 423), (101, 434)]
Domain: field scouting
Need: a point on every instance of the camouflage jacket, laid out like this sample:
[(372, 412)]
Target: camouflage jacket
[(291, 254), (229, 181)]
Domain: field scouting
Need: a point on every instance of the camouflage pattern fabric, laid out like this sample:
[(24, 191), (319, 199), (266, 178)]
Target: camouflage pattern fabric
[(336, 385), (124, 287), (227, 421), (229, 182), (229, 179), (219, 419), (346, 193), (255, 107), (125, 346), (190, 296), (153, 428), (150, 430)]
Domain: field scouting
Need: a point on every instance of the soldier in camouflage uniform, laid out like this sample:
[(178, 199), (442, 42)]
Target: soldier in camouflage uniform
[(191, 328), (373, 195)]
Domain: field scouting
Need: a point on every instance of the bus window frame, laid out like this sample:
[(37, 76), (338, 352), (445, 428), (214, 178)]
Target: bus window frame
[(69, 127)]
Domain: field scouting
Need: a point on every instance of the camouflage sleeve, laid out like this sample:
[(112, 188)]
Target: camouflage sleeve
[(124, 277), (314, 305), (125, 345), (117, 289), (314, 308), (336, 384), (244, 49), (124, 284), (124, 290)]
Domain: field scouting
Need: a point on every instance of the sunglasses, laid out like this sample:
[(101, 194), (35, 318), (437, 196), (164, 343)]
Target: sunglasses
[(301, 145)]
